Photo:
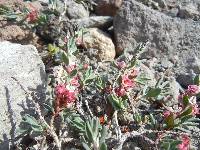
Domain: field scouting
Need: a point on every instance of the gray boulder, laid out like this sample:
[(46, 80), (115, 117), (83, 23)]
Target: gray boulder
[(20, 67), (102, 22), (175, 39), (76, 10)]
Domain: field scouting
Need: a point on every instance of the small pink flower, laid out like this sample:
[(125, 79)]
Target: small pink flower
[(195, 110), (74, 82), (126, 82), (64, 95), (120, 91), (185, 143), (85, 66), (121, 64), (193, 89), (70, 68), (32, 16), (66, 39), (71, 96), (60, 90), (166, 114), (79, 41)]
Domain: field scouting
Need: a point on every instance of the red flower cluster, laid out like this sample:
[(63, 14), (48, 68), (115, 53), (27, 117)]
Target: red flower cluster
[(32, 16), (120, 91), (166, 114), (74, 81), (70, 68), (64, 97), (126, 84), (195, 110), (185, 143), (193, 90)]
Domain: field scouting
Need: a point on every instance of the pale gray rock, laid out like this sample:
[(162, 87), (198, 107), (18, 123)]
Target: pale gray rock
[(170, 38), (75, 10), (102, 22), (20, 67)]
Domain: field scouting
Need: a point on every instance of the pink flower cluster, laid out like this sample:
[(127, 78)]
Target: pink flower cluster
[(185, 143), (65, 95), (193, 90), (74, 81), (166, 114), (32, 16), (70, 68), (126, 84)]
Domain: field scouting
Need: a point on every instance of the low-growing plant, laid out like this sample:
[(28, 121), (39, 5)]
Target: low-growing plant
[(126, 92), (129, 107)]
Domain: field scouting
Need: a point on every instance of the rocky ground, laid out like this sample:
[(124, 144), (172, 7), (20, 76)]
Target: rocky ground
[(114, 29)]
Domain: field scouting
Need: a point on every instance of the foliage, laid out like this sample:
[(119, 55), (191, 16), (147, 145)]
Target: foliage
[(127, 103)]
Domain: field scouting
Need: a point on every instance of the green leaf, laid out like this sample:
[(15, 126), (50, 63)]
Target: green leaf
[(185, 100), (48, 107), (104, 133), (103, 146), (196, 80), (86, 147), (153, 120), (21, 130), (65, 58), (185, 118), (71, 45), (95, 127), (115, 102), (174, 144), (153, 92), (188, 111), (52, 49), (89, 132), (30, 120), (73, 73), (170, 121), (35, 126)]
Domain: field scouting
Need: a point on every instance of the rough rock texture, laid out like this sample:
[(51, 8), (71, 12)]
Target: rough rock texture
[(75, 10), (97, 39), (13, 32), (189, 11), (186, 9), (172, 38), (21, 63), (107, 7), (102, 22)]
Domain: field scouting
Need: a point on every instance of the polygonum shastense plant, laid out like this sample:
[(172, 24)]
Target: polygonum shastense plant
[(130, 108)]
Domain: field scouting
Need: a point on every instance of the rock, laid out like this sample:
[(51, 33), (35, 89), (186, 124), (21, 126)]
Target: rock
[(107, 7), (172, 12), (169, 37), (75, 10), (13, 32), (20, 66), (161, 3), (97, 39), (102, 22), (189, 11)]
